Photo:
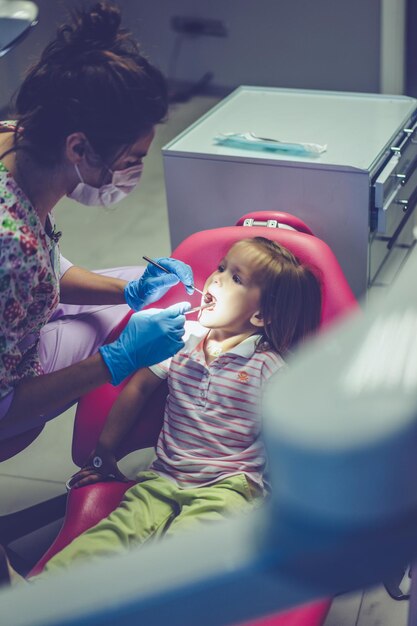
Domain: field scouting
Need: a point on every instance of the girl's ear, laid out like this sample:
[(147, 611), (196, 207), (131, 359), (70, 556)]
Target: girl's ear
[(257, 320)]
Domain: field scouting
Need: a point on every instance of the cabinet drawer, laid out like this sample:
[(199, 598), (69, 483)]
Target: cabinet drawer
[(388, 254), (397, 172), (400, 204), (393, 238)]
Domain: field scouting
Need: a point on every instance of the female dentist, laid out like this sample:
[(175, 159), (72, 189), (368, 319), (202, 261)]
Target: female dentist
[(86, 113)]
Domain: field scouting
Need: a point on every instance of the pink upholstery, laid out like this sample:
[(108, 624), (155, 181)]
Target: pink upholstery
[(95, 502), (308, 615), (202, 251)]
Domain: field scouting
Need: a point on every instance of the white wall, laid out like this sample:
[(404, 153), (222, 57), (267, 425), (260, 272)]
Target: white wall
[(319, 44), (322, 44)]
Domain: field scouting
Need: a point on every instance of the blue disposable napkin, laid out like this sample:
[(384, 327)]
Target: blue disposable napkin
[(250, 141)]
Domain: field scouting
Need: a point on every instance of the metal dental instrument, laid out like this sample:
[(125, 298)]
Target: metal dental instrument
[(164, 269), (199, 308)]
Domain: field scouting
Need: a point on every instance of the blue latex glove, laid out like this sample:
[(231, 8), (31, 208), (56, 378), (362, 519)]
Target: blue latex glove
[(148, 338), (154, 283)]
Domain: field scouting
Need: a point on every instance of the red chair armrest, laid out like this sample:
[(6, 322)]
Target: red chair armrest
[(86, 506)]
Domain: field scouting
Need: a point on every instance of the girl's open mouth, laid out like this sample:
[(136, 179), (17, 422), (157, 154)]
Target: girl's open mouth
[(209, 299)]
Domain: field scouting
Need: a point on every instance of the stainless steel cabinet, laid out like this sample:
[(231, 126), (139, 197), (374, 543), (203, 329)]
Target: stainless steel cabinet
[(353, 196)]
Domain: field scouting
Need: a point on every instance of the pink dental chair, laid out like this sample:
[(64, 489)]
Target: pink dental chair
[(86, 506)]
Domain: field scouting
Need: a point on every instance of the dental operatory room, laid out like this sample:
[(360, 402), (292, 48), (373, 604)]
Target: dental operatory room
[(208, 308)]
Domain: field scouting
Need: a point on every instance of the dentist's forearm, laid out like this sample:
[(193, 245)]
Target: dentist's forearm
[(48, 393), (80, 286)]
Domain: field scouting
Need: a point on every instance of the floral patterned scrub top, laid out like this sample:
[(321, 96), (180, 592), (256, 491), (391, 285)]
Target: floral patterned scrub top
[(29, 281)]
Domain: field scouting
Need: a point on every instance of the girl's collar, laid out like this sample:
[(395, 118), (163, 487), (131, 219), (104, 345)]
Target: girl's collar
[(245, 348)]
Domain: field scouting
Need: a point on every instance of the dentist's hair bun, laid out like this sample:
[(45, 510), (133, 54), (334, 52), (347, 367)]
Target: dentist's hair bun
[(91, 78), (96, 28)]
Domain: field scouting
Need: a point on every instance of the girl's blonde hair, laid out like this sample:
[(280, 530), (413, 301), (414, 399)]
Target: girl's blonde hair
[(291, 297)]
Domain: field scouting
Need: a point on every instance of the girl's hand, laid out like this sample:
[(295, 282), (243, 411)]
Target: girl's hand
[(101, 466)]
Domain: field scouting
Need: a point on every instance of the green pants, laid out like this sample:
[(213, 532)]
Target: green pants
[(156, 507)]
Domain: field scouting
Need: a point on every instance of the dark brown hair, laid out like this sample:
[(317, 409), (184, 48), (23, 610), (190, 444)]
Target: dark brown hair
[(91, 78), (291, 296)]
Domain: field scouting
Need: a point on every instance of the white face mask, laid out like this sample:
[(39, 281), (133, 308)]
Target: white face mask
[(122, 183)]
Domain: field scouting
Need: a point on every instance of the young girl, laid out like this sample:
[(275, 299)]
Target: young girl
[(210, 457)]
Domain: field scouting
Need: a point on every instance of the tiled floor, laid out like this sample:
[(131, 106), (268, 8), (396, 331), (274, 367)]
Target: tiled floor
[(97, 238)]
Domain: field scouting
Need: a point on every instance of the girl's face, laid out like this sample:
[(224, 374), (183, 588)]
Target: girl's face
[(234, 294)]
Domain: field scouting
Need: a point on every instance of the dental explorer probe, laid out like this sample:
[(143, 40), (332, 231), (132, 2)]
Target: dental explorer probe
[(164, 269)]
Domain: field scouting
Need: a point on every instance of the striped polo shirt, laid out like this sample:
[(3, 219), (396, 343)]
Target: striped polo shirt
[(212, 422)]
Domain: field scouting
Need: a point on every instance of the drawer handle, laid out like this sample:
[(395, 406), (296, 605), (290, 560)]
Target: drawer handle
[(412, 202), (408, 132), (404, 177), (403, 203), (410, 171)]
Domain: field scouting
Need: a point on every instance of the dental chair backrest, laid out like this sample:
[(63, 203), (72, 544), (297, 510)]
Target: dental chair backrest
[(203, 251)]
